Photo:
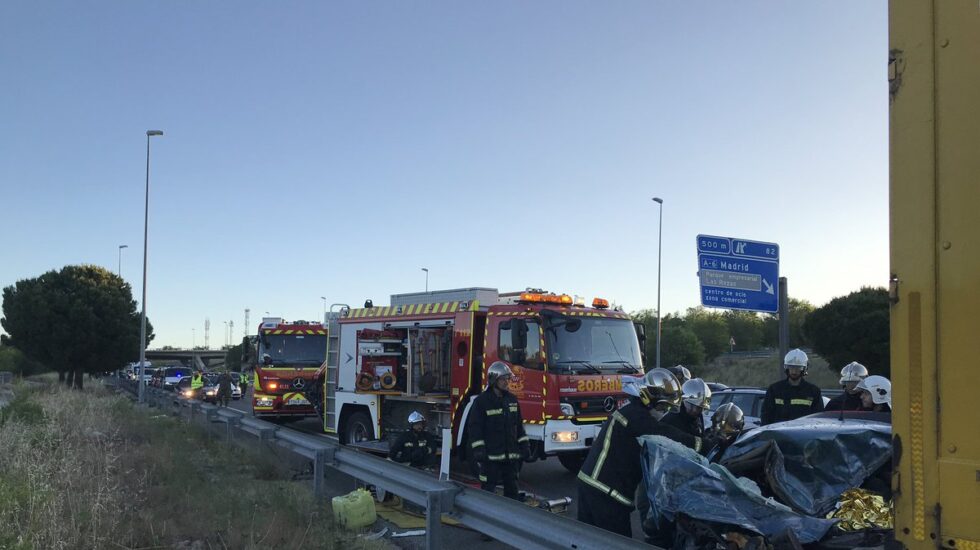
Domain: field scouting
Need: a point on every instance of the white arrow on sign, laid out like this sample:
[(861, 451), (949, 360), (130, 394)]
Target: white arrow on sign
[(769, 289)]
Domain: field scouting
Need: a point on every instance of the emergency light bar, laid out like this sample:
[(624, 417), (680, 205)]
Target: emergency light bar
[(535, 298), (600, 303)]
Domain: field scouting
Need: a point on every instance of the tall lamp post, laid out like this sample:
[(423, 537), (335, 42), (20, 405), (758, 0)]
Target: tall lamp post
[(119, 268), (324, 298), (426, 270), (146, 225), (660, 240)]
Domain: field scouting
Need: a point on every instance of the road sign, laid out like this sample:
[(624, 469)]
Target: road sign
[(738, 273)]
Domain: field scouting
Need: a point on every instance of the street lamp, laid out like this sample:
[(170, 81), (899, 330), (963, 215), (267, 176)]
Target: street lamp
[(426, 270), (119, 267), (660, 240), (146, 226)]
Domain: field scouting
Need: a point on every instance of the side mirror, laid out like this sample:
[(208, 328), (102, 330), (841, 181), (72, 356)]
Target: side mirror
[(641, 333), (573, 325)]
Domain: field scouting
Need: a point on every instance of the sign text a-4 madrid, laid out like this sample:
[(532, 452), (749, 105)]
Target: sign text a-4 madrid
[(738, 273)]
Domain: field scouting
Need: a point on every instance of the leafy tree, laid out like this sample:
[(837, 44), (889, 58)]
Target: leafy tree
[(12, 360), (233, 357), (710, 328), (81, 319), (853, 328), (799, 310), (746, 328), (681, 346)]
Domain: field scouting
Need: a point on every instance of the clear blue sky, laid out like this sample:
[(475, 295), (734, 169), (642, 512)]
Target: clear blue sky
[(335, 148)]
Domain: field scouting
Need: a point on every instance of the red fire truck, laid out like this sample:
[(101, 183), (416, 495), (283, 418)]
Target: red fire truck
[(286, 364), (429, 352)]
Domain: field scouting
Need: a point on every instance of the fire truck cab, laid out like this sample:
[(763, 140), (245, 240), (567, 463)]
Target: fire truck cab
[(288, 358), (429, 352)]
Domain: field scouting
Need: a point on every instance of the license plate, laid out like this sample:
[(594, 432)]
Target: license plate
[(298, 401)]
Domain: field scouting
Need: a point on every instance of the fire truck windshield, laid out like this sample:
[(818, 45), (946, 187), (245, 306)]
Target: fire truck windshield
[(294, 349), (597, 344)]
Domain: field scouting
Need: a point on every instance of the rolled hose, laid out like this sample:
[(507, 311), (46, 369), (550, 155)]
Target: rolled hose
[(365, 381), (388, 380)]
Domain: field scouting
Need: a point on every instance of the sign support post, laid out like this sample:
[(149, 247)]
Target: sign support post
[(783, 322)]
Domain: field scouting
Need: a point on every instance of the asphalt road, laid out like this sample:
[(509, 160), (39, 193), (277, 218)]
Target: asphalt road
[(547, 478)]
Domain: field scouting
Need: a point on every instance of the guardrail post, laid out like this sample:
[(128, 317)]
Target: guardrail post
[(319, 465), (230, 423), (436, 503)]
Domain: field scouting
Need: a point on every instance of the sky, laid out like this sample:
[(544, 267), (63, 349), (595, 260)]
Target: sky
[(333, 149)]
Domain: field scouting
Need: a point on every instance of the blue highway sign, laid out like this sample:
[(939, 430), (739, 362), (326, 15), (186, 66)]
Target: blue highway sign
[(738, 273)]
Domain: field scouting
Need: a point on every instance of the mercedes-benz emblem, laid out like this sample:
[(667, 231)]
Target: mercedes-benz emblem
[(609, 404), (299, 383)]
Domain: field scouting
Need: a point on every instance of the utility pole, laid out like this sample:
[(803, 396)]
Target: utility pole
[(231, 332), (247, 311), (207, 333)]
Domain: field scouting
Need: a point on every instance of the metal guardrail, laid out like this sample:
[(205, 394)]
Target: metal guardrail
[(505, 520)]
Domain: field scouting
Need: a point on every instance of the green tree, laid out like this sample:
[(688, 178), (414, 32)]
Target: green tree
[(81, 319), (12, 360), (746, 328), (799, 310), (233, 358), (853, 328), (680, 347), (710, 328)]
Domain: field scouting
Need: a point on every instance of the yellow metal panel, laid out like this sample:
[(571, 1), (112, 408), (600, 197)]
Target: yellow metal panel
[(935, 257)]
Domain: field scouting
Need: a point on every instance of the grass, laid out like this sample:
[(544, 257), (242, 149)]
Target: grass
[(761, 372), (88, 469)]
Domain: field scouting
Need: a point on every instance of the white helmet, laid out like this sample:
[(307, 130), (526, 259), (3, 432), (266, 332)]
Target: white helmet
[(796, 358), (853, 372), (415, 417), (880, 389), (695, 392)]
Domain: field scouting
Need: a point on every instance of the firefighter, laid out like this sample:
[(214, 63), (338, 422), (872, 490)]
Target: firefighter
[(876, 394), (417, 447), (497, 438), (727, 423), (681, 372), (792, 397), (611, 473), (695, 399), (224, 389), (850, 400), (197, 382)]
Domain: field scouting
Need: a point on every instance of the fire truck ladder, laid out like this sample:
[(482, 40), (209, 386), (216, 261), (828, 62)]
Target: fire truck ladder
[(333, 362)]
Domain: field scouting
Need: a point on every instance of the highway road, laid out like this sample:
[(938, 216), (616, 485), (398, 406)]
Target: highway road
[(546, 478)]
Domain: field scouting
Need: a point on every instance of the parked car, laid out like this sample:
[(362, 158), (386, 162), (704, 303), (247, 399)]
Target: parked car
[(148, 373), (173, 375), (749, 400), (210, 391)]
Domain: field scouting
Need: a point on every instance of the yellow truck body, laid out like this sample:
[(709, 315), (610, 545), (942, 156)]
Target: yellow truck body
[(934, 74)]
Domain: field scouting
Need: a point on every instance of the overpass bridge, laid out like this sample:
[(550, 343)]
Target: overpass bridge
[(202, 359)]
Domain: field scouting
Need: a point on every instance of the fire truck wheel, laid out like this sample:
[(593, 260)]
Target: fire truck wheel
[(572, 461), (358, 428)]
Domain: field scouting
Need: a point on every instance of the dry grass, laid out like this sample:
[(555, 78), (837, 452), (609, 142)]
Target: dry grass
[(93, 471), (761, 372)]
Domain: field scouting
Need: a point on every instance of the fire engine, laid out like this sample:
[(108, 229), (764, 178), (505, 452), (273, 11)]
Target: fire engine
[(429, 352), (286, 363)]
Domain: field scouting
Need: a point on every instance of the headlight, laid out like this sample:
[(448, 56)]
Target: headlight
[(567, 409), (188, 393), (564, 437), (211, 392)]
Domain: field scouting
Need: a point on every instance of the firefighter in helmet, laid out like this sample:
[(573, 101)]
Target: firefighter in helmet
[(695, 399), (727, 423), (793, 396), (417, 447), (876, 394), (611, 473), (681, 372), (496, 432), (850, 399)]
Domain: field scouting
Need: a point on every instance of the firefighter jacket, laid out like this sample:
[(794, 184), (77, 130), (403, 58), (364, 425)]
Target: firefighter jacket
[(846, 402), (785, 401), (416, 448), (495, 424), (691, 425), (197, 381), (613, 464)]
